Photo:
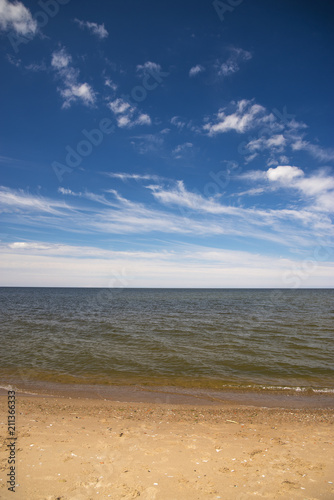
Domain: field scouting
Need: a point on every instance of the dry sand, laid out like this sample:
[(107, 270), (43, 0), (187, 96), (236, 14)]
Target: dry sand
[(81, 449)]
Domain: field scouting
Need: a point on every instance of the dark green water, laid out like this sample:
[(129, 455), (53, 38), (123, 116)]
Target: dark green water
[(169, 337)]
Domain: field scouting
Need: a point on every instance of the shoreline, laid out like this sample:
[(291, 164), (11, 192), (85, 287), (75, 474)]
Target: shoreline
[(84, 448), (175, 411), (250, 396)]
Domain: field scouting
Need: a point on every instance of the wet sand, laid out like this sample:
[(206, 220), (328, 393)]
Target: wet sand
[(84, 448)]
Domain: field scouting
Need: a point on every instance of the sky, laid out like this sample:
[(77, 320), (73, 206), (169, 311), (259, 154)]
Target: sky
[(166, 144)]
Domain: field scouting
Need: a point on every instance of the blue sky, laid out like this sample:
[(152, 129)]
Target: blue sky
[(153, 144)]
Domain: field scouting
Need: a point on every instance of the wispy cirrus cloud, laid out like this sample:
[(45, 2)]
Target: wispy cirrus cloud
[(36, 67), (295, 225), (176, 211), (96, 198), (318, 152), (71, 90), (123, 176), (149, 143), (16, 200), (98, 30)]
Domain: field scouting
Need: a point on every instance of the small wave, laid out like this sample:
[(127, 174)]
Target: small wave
[(280, 388), (298, 389), (286, 388), (18, 390), (324, 390), (7, 387)]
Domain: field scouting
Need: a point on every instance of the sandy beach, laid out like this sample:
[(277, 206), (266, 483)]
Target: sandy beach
[(77, 448)]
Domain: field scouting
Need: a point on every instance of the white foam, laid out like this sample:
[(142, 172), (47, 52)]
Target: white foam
[(7, 387)]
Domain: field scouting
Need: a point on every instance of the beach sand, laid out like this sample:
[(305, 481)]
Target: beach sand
[(77, 448)]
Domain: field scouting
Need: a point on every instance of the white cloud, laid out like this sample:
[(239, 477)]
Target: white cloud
[(326, 201), (228, 68), (296, 227), (23, 245), (60, 59), (276, 132), (15, 16), (143, 119), (65, 191), (250, 192), (109, 83), (178, 195), (280, 160), (96, 198), (127, 116), (74, 92), (246, 116), (181, 149), (177, 122), (284, 173), (232, 65), (294, 177), (316, 185), (96, 29), (149, 143), (14, 61), (71, 90), (277, 142), (137, 177), (195, 70), (178, 211), (149, 66), (316, 151), (317, 188), (253, 175), (16, 200), (123, 122), (36, 67), (119, 106)]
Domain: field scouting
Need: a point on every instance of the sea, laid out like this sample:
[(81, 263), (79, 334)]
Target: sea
[(250, 346)]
